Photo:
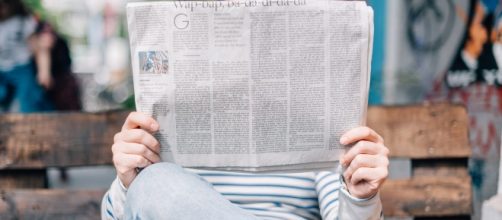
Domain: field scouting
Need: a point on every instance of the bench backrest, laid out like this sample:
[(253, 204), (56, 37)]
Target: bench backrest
[(433, 137)]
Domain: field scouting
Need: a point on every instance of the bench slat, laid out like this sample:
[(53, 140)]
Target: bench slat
[(441, 168), (23, 179), (83, 139), (423, 131), (50, 204), (58, 139), (427, 196), (419, 196)]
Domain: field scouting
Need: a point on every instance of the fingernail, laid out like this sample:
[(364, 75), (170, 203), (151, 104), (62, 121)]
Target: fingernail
[(342, 161), (343, 140), (154, 126)]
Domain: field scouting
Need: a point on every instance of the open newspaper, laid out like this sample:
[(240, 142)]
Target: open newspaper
[(254, 85)]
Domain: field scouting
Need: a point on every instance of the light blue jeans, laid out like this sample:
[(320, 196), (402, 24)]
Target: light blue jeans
[(167, 191)]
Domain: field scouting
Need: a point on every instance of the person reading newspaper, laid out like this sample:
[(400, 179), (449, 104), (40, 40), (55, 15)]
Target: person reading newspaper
[(167, 191), (274, 88)]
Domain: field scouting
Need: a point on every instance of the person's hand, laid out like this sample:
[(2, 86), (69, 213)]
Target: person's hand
[(44, 79), (135, 147), (43, 43), (366, 162)]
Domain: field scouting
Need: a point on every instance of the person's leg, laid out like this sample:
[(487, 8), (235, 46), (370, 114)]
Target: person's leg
[(30, 95), (167, 191), (6, 92)]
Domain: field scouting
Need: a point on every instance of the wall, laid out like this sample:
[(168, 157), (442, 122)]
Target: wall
[(450, 51)]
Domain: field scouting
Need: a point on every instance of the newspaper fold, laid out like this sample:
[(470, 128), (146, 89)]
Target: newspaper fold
[(255, 85)]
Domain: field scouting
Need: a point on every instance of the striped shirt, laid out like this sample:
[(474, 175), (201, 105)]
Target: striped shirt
[(273, 196)]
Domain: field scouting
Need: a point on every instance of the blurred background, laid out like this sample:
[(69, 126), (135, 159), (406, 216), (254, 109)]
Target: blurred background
[(424, 51), (95, 32), (97, 35)]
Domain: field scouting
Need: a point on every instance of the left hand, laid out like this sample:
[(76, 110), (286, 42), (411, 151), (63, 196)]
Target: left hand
[(366, 162)]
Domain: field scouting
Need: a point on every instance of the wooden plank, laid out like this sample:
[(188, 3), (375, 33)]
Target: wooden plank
[(23, 179), (58, 139), (423, 131), (453, 217), (76, 139), (50, 204), (441, 167), (424, 196), (427, 196)]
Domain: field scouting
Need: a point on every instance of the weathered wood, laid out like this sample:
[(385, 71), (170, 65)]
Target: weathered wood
[(427, 196), (424, 196), (50, 204), (76, 139), (453, 217), (23, 179), (423, 131), (441, 167), (57, 139), (437, 188)]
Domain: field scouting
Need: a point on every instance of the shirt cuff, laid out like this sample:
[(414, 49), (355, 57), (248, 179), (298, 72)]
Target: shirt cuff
[(122, 187), (354, 199), (361, 202)]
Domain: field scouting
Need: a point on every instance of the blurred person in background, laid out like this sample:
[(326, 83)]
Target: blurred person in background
[(18, 44), (35, 64), (63, 91), (27, 42)]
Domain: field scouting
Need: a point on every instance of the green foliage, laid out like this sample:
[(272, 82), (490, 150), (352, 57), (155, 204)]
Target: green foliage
[(129, 103), (36, 7)]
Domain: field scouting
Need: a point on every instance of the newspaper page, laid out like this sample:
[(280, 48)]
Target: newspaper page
[(252, 85)]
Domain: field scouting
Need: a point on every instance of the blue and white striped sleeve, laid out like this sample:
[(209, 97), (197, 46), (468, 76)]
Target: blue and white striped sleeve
[(335, 202), (112, 205), (328, 187)]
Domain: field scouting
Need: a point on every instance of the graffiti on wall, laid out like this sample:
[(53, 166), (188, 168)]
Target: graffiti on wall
[(473, 77), (451, 50)]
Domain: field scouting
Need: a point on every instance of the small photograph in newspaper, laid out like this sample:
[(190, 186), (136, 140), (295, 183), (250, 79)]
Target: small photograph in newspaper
[(153, 62)]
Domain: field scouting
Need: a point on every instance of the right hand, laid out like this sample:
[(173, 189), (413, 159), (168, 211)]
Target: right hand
[(44, 79), (135, 147)]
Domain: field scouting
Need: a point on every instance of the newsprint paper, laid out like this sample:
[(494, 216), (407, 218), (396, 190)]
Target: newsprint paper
[(252, 85)]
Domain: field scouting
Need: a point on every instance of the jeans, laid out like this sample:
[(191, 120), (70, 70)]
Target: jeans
[(21, 84), (167, 191)]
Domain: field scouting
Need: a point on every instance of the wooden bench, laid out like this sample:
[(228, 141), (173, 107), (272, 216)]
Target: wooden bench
[(435, 140), (433, 137)]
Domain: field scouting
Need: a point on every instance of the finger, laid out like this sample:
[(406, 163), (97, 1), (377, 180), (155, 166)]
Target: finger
[(131, 161), (369, 174), (140, 120), (362, 147), (360, 133), (139, 136), (137, 149), (364, 160)]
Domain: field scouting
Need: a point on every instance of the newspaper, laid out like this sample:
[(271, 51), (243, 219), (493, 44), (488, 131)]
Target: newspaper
[(253, 85)]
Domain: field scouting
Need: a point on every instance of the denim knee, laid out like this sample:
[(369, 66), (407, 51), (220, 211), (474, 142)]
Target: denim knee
[(154, 174), (167, 191), (158, 178)]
